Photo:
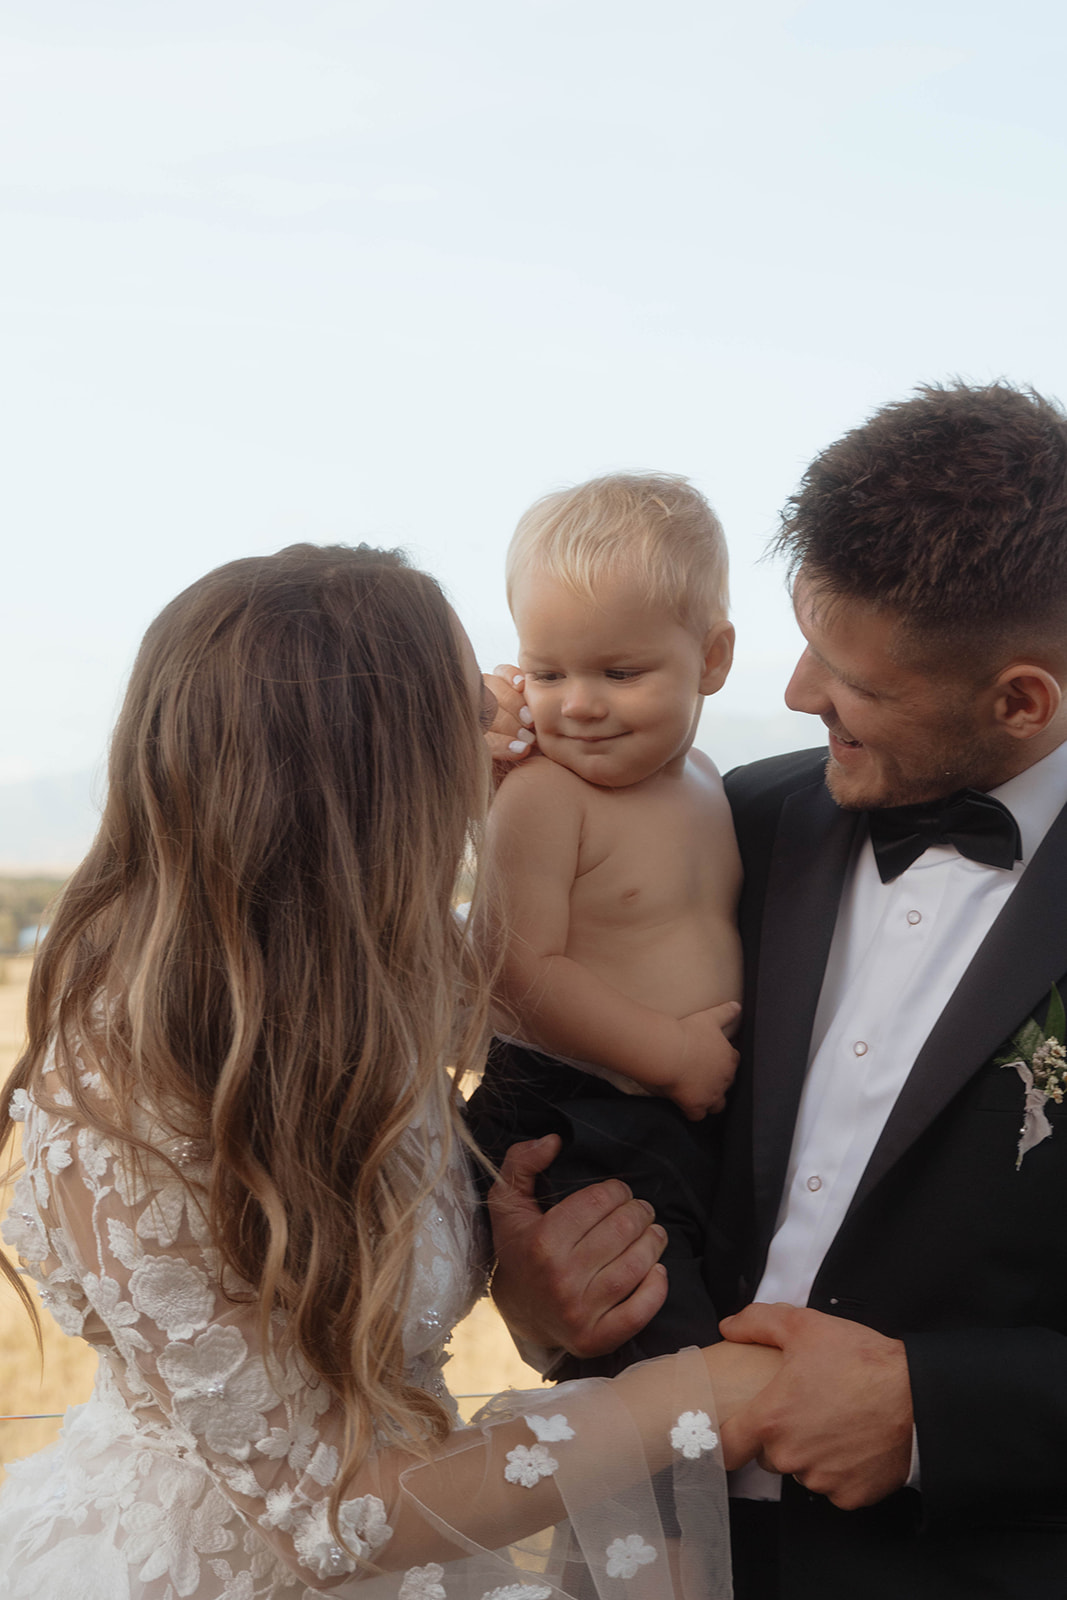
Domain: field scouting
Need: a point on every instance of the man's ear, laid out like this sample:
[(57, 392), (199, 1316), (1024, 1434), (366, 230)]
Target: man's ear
[(718, 657), (1025, 699)]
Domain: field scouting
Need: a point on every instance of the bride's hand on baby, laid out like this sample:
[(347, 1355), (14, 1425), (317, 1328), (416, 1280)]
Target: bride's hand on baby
[(510, 735), (708, 1061)]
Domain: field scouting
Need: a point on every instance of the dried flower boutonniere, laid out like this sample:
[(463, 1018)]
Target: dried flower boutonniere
[(1039, 1056)]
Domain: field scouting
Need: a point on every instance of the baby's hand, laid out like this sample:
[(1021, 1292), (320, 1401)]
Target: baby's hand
[(509, 737), (709, 1061)]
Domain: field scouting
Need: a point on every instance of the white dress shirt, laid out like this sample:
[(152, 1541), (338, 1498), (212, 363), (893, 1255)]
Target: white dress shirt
[(899, 950)]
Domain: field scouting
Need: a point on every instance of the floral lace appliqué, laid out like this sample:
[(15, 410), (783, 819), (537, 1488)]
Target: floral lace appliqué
[(423, 1583), (19, 1105), (626, 1555), (219, 1392), (527, 1465), (693, 1434), (550, 1430), (363, 1527), (519, 1591)]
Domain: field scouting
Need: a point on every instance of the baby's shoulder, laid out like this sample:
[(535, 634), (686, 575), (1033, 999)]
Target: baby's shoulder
[(702, 779), (700, 765), (539, 782)]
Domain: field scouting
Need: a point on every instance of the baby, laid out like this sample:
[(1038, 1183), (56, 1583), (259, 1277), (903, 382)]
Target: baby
[(612, 868)]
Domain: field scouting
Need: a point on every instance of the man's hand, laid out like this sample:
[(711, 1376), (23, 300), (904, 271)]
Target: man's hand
[(510, 735), (583, 1276), (838, 1415)]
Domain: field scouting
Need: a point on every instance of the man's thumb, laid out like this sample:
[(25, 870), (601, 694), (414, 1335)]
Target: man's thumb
[(514, 1189)]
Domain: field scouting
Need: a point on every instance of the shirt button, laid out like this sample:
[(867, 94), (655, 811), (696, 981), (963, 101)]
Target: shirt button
[(914, 917), (859, 1048), (814, 1182)]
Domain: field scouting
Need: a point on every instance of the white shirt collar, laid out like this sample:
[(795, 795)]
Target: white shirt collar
[(1036, 797)]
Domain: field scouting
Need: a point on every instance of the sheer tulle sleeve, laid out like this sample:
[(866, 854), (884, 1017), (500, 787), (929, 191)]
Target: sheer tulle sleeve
[(219, 1457)]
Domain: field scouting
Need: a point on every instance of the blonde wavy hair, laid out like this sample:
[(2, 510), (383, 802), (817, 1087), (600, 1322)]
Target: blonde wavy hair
[(261, 942), (652, 528)]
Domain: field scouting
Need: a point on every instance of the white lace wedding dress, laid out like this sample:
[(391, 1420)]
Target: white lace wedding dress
[(199, 1469)]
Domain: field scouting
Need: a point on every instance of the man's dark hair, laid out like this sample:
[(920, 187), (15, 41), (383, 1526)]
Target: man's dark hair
[(949, 508)]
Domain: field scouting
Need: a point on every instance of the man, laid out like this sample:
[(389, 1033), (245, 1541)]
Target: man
[(889, 1187)]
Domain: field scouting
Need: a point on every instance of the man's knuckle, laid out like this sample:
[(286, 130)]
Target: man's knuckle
[(616, 1283), (607, 1198)]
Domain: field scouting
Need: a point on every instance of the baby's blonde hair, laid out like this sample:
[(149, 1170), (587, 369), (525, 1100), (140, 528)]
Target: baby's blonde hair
[(651, 527)]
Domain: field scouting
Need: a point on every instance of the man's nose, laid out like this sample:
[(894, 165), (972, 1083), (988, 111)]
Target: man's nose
[(806, 689)]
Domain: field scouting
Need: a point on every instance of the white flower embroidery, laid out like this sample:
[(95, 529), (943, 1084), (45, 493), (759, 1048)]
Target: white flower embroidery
[(124, 1246), (317, 1548), (423, 1583), (529, 1465), (169, 1538), (693, 1434), (363, 1523), (283, 1504), (134, 1458), (323, 1465), (626, 1555), (550, 1429), (295, 1443), (57, 1154), (242, 1480), (19, 1106), (519, 1591), (176, 1295), (22, 1228), (64, 1299), (93, 1153), (219, 1394), (119, 1317), (239, 1586)]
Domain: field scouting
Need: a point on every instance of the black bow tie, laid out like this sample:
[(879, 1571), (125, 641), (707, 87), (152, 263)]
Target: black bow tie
[(980, 827)]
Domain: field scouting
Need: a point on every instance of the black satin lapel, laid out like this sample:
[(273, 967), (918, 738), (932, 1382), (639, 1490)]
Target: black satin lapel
[(810, 857), (1022, 956)]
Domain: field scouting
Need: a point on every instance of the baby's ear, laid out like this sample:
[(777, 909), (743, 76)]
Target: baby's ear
[(718, 657)]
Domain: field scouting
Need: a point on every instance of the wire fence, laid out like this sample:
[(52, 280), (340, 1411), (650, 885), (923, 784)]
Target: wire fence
[(57, 1416)]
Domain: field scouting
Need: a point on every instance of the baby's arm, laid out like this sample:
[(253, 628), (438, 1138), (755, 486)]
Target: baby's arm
[(531, 859)]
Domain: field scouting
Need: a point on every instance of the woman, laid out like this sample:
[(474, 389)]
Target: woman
[(246, 1184)]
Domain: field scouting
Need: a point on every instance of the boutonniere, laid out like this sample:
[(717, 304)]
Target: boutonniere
[(1039, 1056)]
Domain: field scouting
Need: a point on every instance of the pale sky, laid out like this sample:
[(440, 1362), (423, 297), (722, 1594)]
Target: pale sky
[(390, 269)]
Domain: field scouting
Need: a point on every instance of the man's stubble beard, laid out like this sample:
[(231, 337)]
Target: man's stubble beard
[(974, 762)]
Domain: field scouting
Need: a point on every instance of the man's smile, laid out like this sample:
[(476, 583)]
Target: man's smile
[(838, 737)]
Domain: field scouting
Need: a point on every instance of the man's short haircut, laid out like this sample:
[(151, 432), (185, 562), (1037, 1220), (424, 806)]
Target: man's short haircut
[(650, 527), (950, 509)]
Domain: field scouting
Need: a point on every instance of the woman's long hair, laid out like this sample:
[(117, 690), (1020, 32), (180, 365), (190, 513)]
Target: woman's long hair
[(261, 943)]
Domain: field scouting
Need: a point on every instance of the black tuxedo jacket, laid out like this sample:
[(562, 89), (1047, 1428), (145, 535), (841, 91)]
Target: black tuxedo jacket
[(946, 1244)]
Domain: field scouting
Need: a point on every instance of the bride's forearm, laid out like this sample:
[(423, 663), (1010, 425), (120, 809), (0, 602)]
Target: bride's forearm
[(738, 1372), (604, 1436)]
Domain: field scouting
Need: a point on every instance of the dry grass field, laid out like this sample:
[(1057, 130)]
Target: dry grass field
[(483, 1360)]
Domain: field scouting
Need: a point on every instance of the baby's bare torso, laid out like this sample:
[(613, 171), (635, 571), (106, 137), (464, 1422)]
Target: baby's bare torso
[(654, 902)]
